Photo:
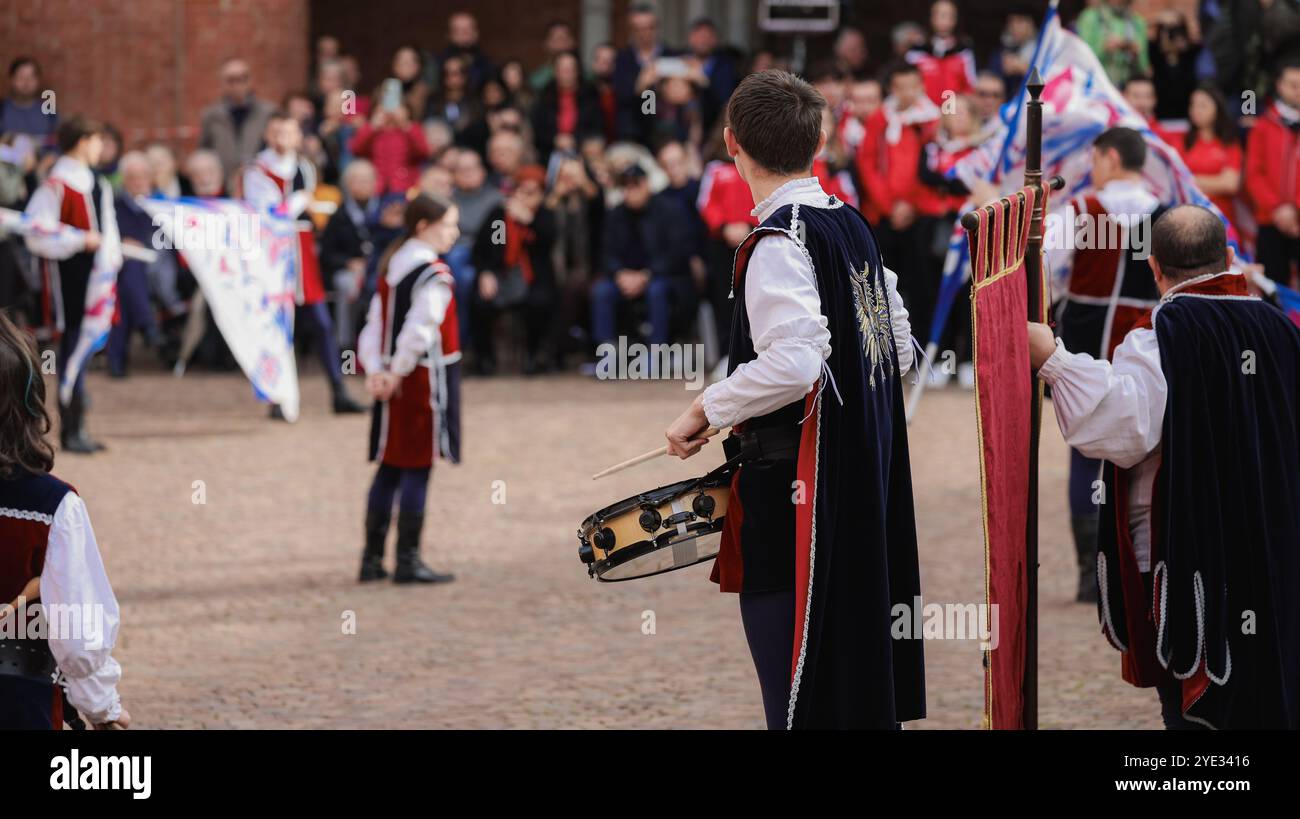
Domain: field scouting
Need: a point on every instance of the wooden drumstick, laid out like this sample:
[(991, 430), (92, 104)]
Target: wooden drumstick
[(646, 456)]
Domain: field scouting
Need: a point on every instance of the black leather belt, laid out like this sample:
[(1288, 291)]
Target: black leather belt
[(763, 444), (27, 658)]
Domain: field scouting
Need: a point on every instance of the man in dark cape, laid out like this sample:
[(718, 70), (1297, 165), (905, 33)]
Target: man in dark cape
[(1199, 546), (820, 536)]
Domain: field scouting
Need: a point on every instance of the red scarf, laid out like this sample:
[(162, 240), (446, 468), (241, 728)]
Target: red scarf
[(517, 238)]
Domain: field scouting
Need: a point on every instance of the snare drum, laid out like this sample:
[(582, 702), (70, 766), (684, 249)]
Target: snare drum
[(668, 528)]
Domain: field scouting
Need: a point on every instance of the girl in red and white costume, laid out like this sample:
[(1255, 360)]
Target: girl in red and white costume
[(410, 349)]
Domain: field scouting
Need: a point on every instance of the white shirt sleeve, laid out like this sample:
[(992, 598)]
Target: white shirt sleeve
[(421, 326), (1110, 410), (73, 581), (43, 208), (901, 323), (789, 332), (368, 342)]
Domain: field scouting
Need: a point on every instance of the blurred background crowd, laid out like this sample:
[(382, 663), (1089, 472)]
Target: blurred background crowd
[(612, 162)]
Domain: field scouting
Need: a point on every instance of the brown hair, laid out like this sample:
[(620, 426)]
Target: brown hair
[(24, 421), (777, 118), (74, 129), (422, 208)]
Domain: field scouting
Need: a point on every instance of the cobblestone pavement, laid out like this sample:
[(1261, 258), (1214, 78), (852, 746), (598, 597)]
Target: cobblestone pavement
[(234, 609)]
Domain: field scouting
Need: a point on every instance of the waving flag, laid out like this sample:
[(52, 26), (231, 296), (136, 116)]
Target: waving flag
[(1079, 102), (246, 261)]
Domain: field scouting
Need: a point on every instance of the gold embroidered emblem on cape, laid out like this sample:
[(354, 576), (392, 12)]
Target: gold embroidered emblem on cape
[(872, 308)]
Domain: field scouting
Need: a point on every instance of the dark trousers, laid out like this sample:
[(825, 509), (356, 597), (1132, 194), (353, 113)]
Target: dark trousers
[(661, 295), (314, 322), (538, 310), (74, 278), (136, 314), (768, 618), (1277, 252), (409, 487), (1083, 472), (25, 704)]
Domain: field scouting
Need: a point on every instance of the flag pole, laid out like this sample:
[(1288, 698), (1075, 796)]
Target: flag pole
[(1037, 312)]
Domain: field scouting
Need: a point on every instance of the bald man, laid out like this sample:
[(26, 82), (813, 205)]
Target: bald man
[(1195, 417)]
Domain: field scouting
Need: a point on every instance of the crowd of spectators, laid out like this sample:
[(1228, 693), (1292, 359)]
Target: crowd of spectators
[(595, 195)]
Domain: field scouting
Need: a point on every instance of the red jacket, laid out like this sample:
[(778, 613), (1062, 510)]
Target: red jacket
[(724, 198), (1272, 166), (889, 171), (945, 67), (395, 152)]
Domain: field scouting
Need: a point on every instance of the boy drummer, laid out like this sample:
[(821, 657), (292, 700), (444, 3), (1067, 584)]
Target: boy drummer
[(819, 344)]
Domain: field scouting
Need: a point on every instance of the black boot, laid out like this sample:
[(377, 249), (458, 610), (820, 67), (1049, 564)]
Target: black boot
[(1085, 548), (343, 403), (410, 569), (372, 559), (72, 430)]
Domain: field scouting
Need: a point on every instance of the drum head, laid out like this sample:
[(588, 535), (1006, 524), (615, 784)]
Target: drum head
[(670, 551)]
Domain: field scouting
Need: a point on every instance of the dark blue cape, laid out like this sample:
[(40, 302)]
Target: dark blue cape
[(1221, 608), (855, 536)]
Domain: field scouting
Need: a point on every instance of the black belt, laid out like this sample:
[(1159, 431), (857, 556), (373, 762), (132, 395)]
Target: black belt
[(773, 443), (27, 658)]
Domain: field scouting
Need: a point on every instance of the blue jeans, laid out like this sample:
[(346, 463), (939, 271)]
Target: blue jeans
[(464, 273), (659, 294)]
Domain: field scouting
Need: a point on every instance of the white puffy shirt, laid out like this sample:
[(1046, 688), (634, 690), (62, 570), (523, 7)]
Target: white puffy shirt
[(788, 329), (73, 576), (420, 329)]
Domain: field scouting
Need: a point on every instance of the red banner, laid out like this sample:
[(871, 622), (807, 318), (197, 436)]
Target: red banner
[(999, 307)]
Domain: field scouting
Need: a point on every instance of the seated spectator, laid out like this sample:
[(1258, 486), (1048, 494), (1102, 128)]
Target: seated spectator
[(946, 60), (1011, 59), (135, 310), (512, 255), (578, 205), (678, 113), (475, 198), (347, 250), (162, 163), (644, 261), (1118, 36), (394, 144), (1272, 167), (1212, 150), (681, 166), (435, 180), (506, 154), (567, 110)]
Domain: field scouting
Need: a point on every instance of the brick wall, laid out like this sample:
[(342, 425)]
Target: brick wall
[(150, 66)]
